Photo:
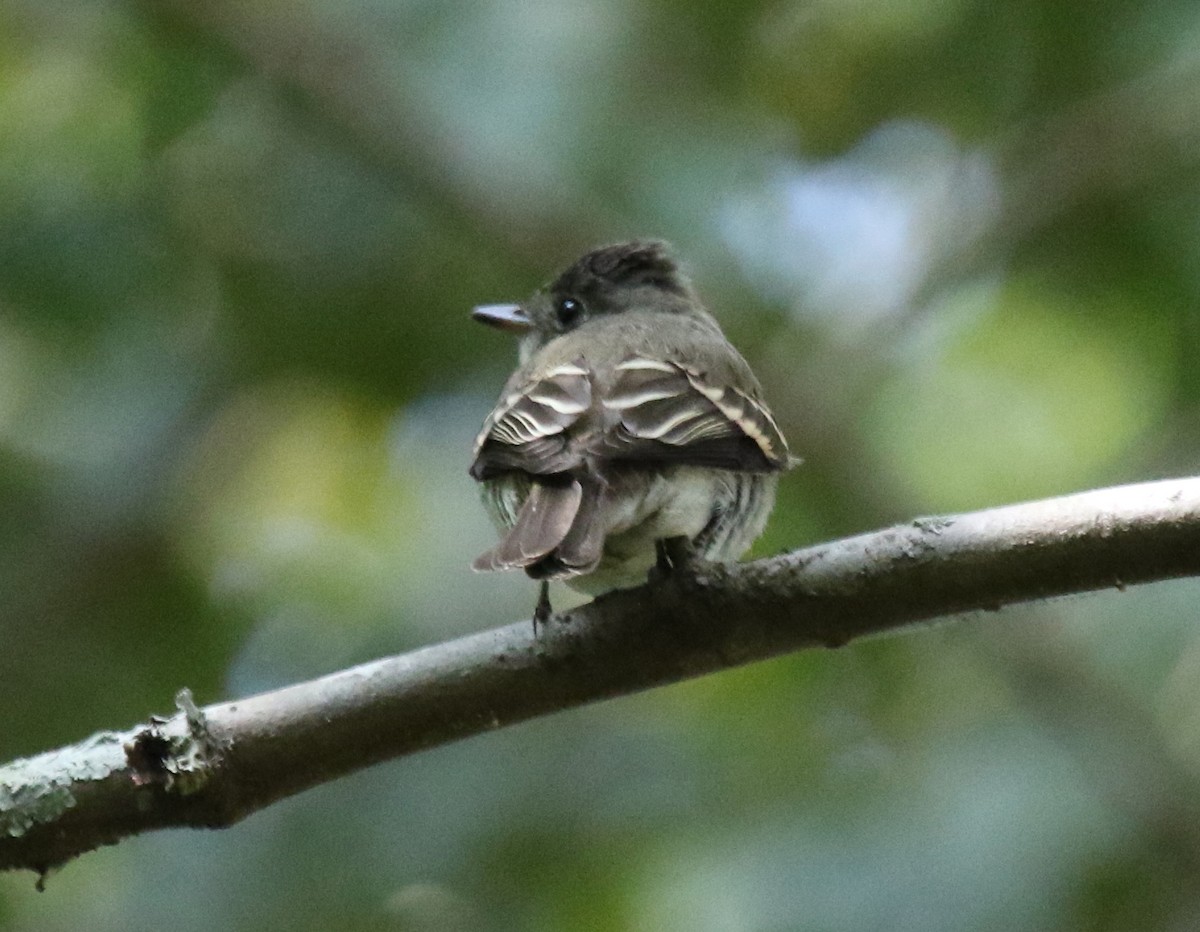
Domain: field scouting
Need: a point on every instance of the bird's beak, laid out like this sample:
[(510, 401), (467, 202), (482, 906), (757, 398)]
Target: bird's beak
[(503, 317)]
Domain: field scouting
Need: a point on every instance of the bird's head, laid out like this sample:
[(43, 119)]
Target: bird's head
[(641, 275)]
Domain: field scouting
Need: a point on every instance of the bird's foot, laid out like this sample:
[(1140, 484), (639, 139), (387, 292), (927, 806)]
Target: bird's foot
[(542, 611), (672, 555)]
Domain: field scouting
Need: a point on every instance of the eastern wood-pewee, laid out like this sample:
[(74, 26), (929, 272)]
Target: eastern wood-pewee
[(631, 426)]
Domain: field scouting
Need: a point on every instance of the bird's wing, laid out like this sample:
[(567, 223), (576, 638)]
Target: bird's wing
[(672, 413), (528, 430)]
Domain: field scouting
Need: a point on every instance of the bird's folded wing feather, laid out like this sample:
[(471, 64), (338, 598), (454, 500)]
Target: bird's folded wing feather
[(528, 429), (657, 411), (669, 412)]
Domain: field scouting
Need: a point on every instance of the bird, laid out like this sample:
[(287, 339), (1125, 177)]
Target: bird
[(632, 434)]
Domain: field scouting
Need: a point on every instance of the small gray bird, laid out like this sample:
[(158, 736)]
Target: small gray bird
[(631, 435)]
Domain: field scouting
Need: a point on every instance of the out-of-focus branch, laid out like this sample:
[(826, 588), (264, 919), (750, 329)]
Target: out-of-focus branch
[(340, 77), (1136, 133), (213, 767), (1121, 137)]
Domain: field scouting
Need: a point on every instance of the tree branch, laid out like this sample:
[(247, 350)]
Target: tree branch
[(213, 767)]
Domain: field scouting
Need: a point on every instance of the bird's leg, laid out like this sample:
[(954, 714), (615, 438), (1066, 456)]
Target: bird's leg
[(542, 611), (672, 555), (662, 561)]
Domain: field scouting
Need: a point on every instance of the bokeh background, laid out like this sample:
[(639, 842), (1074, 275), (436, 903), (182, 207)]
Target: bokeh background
[(958, 239)]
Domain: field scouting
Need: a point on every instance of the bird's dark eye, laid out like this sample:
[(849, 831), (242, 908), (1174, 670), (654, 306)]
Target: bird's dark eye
[(569, 311)]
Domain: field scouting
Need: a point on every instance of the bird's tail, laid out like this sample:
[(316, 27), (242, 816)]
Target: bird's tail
[(559, 532)]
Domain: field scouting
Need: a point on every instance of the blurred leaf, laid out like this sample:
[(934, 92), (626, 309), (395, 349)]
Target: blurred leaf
[(1039, 394)]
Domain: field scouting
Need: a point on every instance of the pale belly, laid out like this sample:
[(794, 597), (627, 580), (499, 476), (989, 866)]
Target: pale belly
[(721, 512)]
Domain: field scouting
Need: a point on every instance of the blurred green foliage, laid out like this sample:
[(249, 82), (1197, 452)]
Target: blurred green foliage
[(238, 386)]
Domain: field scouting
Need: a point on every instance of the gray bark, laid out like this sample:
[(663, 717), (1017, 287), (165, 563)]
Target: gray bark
[(212, 767)]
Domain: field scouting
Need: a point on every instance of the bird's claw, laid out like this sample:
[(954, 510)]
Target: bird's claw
[(672, 555)]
